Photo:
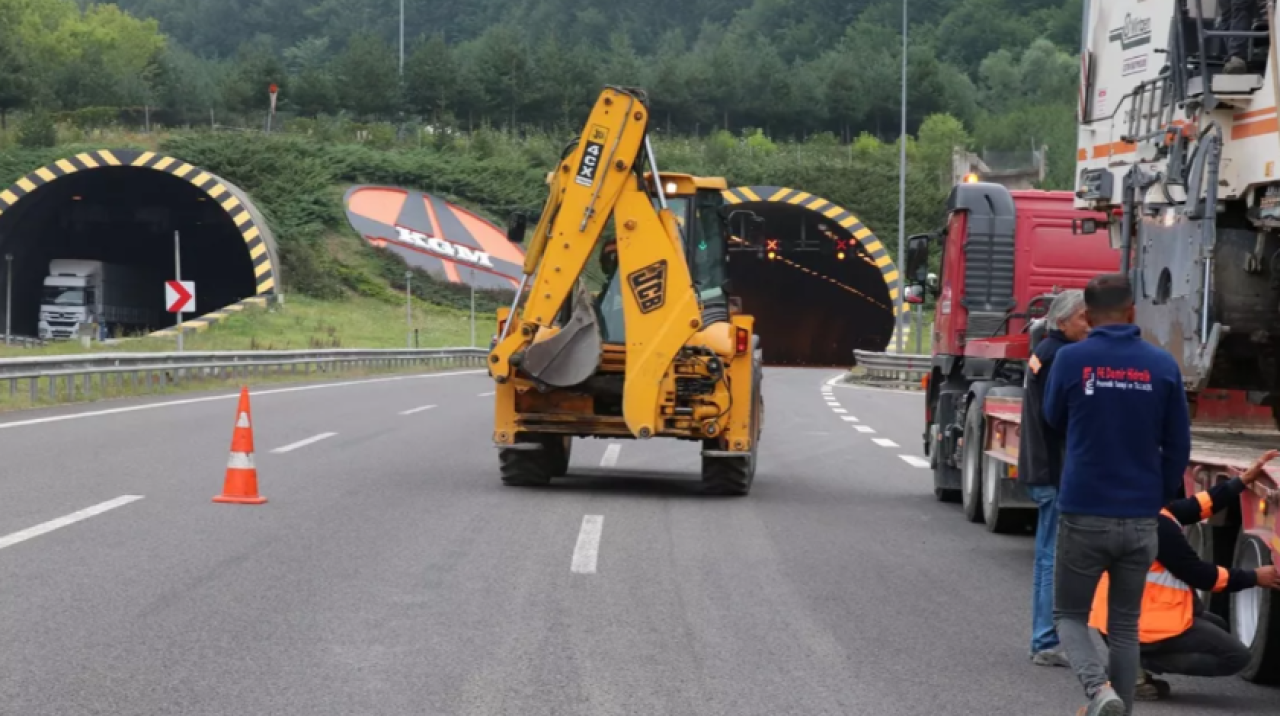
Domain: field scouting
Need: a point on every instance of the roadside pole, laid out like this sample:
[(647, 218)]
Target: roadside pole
[(902, 188), (408, 307), (177, 276), (8, 295), (473, 308)]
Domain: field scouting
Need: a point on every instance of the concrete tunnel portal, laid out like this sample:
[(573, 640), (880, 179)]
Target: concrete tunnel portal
[(819, 282), (122, 208)]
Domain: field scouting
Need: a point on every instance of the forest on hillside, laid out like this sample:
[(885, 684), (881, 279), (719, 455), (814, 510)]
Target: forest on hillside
[(791, 68)]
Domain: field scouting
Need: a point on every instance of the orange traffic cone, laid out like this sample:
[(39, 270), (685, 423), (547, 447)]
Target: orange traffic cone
[(241, 485)]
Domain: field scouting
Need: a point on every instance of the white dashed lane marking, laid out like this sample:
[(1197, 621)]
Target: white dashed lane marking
[(839, 410), (914, 461), (303, 443), (863, 428), (884, 442), (848, 418), (587, 551), (486, 395), (411, 411), (74, 517), (610, 457)]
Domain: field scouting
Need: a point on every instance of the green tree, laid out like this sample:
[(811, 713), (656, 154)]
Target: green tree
[(367, 75)]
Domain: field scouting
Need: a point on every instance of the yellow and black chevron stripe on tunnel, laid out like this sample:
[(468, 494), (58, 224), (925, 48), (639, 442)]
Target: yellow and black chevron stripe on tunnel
[(836, 213), (217, 191), (203, 322)]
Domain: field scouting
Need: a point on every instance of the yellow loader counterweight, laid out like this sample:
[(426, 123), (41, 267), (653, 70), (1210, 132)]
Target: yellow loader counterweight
[(657, 352)]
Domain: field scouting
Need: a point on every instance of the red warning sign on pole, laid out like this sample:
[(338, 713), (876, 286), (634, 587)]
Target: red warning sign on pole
[(273, 90)]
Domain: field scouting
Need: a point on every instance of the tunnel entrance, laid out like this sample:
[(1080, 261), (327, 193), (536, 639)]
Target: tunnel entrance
[(108, 231), (818, 282)]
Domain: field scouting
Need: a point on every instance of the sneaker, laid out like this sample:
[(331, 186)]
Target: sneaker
[(1235, 66), (1050, 657), (1104, 703)]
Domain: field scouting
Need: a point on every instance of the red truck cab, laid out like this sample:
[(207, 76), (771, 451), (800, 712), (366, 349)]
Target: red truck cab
[(1004, 255)]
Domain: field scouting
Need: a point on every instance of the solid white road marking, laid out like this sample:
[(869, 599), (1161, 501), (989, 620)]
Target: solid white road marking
[(411, 411), (849, 418), (884, 442), (611, 455), (588, 548), (839, 410), (914, 461), (303, 443), (486, 395), (863, 429), (51, 525), (230, 396), (834, 380)]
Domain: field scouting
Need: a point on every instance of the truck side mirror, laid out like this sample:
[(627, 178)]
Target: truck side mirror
[(914, 294), (516, 227), (918, 257)]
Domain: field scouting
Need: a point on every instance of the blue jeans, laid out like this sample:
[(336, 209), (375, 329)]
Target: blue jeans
[(1043, 635)]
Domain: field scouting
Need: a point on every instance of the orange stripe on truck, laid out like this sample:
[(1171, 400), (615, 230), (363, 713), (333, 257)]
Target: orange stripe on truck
[(1255, 129)]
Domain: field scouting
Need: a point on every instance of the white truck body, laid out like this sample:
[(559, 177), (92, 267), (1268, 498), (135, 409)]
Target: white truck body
[(1126, 43), (83, 291)]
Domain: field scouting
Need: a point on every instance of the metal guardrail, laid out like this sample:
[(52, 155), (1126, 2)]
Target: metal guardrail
[(24, 342), (59, 375), (893, 367)]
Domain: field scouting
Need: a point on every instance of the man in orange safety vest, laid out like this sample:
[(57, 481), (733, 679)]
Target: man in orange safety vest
[(1176, 634)]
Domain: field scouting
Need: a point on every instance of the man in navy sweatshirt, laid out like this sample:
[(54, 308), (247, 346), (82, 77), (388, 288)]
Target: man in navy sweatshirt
[(1121, 403)]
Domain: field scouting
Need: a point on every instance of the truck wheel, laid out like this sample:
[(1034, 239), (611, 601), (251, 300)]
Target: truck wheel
[(971, 466), (943, 474), (527, 467), (999, 520), (1255, 615)]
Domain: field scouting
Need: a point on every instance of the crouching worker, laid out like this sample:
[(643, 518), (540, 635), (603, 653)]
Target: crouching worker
[(1176, 634)]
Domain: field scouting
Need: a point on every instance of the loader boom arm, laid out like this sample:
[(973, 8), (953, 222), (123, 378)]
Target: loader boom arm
[(601, 177)]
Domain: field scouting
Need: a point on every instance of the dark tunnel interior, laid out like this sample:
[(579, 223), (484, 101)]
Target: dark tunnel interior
[(126, 216), (819, 298)]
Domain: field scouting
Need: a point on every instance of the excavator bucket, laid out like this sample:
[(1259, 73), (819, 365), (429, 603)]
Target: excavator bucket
[(571, 355)]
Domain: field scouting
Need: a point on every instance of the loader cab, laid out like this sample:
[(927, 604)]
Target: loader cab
[(696, 204)]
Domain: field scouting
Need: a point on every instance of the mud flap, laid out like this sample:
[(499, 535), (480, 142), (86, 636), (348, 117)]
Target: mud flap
[(572, 355)]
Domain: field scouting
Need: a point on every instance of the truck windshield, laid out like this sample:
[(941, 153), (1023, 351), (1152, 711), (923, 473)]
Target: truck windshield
[(63, 296)]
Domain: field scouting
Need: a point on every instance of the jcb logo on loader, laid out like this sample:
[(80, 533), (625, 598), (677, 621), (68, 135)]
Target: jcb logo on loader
[(592, 152), (649, 285)]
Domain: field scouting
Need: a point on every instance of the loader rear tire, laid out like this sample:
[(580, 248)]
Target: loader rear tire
[(535, 468), (734, 475)]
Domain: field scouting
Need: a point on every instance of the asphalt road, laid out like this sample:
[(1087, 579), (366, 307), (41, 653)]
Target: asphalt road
[(391, 573)]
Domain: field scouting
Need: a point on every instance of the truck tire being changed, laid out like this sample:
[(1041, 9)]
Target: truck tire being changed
[(1204, 539), (971, 466), (1000, 520), (1255, 615)]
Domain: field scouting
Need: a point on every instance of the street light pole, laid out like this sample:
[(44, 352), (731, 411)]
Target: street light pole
[(408, 307), (8, 295), (401, 39), (902, 184), (473, 308)]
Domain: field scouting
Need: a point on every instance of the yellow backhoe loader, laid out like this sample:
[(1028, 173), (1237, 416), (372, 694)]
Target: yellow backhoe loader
[(658, 352)]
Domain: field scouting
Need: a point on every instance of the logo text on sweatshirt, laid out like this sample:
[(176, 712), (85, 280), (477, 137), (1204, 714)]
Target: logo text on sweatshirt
[(1104, 377)]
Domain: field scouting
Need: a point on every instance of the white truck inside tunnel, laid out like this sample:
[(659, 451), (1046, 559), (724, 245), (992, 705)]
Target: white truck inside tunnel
[(815, 289), (120, 222)]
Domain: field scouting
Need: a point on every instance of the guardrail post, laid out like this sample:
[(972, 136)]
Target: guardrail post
[(34, 388)]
